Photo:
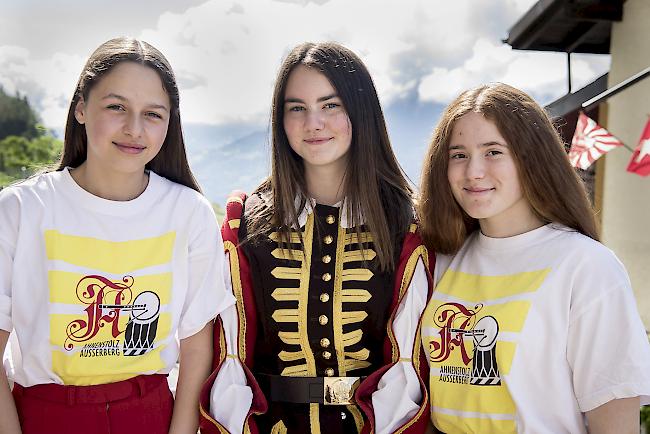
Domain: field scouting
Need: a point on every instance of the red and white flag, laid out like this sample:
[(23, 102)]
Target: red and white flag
[(640, 162), (590, 142)]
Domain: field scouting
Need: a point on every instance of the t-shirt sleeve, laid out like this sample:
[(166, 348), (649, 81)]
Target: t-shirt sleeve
[(607, 346), (206, 294), (9, 218)]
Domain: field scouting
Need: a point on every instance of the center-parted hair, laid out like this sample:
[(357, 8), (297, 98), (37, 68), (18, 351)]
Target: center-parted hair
[(171, 161), (551, 186), (375, 186)]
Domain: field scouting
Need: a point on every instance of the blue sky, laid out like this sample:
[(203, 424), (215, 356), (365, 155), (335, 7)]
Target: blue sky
[(421, 54)]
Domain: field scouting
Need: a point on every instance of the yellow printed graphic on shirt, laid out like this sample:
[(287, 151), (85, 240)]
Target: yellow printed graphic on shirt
[(471, 342), (108, 329)]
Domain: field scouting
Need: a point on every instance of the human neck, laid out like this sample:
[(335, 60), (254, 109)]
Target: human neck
[(502, 228), (325, 186), (110, 186)]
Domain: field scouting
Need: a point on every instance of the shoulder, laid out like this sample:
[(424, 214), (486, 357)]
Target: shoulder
[(171, 190), (27, 199), (37, 186), (188, 203), (590, 270), (411, 235), (258, 201), (413, 245), (582, 250)]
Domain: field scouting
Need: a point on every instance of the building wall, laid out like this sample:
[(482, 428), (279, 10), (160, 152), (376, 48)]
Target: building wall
[(626, 196)]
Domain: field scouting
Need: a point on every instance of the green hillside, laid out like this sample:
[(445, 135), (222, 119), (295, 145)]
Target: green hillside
[(25, 146)]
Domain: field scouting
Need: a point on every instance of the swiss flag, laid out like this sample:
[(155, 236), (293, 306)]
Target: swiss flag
[(590, 142), (640, 162)]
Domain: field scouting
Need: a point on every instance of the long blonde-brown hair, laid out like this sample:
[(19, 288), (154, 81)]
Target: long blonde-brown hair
[(549, 183), (375, 185)]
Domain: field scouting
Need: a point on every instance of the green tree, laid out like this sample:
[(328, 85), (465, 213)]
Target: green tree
[(20, 157), (17, 117), (25, 146)]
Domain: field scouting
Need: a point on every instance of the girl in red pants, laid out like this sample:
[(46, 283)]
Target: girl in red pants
[(110, 266)]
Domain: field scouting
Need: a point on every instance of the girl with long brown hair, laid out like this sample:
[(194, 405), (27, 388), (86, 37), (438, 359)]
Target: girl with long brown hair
[(328, 272), (111, 265), (524, 330)]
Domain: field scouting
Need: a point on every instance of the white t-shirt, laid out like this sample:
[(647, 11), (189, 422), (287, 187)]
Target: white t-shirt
[(525, 334), (98, 291)]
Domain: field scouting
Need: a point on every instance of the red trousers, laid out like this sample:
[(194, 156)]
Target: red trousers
[(140, 405)]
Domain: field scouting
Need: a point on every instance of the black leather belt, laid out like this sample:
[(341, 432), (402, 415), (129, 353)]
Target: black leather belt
[(305, 390)]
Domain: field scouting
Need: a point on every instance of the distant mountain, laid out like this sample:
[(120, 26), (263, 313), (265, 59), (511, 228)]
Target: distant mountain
[(220, 167)]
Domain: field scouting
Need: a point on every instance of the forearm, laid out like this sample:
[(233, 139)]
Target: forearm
[(9, 421), (195, 364), (619, 416)]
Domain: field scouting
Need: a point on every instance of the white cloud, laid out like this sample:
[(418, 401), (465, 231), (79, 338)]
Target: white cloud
[(238, 54), (226, 53), (543, 75), (303, 2), (48, 83)]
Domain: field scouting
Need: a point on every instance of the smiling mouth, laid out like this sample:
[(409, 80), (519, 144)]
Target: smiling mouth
[(130, 148), (318, 141), (477, 190)]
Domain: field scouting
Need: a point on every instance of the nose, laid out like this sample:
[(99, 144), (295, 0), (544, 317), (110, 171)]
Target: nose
[(314, 120), (475, 168), (133, 125)]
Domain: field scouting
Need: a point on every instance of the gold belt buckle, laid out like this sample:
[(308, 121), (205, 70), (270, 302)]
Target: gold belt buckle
[(339, 390)]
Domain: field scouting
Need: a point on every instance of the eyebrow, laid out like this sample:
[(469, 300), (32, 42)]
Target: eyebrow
[(122, 98), (321, 99), (486, 144)]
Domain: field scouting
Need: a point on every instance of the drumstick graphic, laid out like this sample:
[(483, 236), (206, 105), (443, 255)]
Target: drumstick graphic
[(123, 306), (474, 332), (145, 311)]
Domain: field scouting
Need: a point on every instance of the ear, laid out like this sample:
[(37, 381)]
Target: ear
[(80, 111)]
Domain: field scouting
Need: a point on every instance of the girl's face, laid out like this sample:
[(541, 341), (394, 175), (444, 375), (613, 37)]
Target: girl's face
[(126, 116), (315, 121), (484, 178)]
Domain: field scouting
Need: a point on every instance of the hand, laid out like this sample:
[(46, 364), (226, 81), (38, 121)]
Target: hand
[(9, 421)]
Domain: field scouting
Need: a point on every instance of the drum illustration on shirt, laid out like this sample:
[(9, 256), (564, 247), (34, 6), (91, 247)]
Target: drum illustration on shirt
[(485, 371), (141, 328)]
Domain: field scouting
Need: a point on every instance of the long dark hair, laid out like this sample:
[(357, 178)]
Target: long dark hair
[(375, 185), (551, 186), (171, 162)]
